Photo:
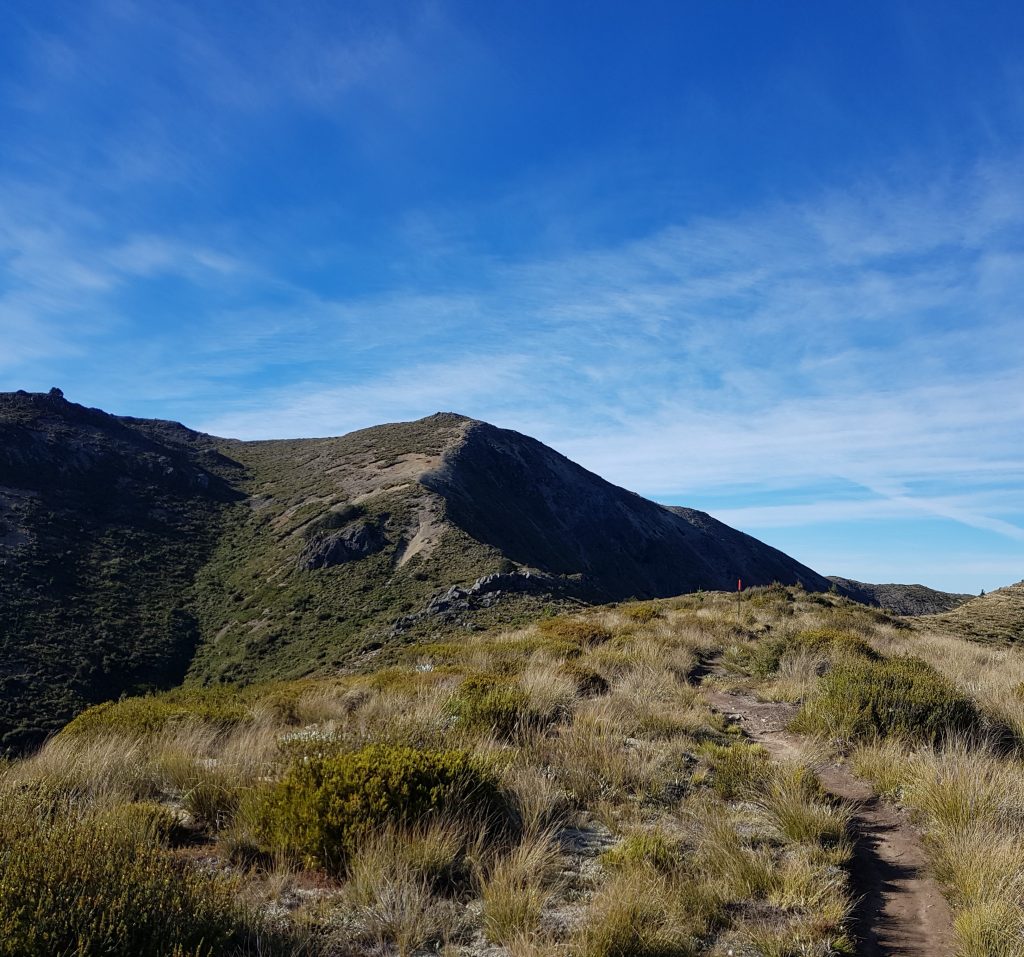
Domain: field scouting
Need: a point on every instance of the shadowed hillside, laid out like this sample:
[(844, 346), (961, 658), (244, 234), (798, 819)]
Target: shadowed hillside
[(103, 524)]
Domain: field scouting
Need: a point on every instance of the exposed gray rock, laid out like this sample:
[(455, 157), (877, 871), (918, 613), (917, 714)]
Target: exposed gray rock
[(450, 604), (349, 544)]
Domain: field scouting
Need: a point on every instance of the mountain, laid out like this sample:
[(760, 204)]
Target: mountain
[(137, 553), (997, 616), (900, 599)]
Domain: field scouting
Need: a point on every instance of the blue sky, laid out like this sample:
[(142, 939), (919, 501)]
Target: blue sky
[(765, 259)]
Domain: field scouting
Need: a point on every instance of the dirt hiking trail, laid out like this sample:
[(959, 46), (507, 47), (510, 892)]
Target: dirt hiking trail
[(901, 911)]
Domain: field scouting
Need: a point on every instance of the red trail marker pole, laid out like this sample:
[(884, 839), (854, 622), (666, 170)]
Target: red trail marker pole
[(739, 588)]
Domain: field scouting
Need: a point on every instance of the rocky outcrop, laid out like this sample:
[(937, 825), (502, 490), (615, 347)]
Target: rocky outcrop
[(328, 549), (454, 603)]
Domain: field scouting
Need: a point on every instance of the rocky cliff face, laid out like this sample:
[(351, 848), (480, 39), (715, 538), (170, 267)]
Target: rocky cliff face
[(134, 551)]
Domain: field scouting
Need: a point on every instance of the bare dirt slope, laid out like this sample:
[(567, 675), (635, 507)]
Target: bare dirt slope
[(902, 911)]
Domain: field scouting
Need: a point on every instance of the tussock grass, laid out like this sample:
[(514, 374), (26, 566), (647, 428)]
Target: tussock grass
[(736, 769), (642, 913), (468, 791), (516, 885), (793, 802), (797, 675)]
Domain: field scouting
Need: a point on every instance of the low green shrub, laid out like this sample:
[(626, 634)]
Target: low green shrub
[(904, 698), (642, 612), (324, 807), (222, 707), (495, 703), (835, 644), (84, 886), (150, 821)]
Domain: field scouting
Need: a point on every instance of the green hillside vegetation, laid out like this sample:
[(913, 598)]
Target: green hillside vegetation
[(271, 618)]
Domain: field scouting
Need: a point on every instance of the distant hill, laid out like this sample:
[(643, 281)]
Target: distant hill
[(997, 616), (900, 599), (136, 553)]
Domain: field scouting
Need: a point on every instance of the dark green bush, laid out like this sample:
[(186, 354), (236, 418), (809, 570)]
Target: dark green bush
[(489, 702), (323, 807), (900, 697)]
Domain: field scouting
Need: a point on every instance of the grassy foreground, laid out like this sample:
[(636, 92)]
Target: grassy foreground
[(557, 790)]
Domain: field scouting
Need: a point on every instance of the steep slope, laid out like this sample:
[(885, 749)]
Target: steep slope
[(134, 551), (997, 616), (103, 524), (541, 509), (900, 599)]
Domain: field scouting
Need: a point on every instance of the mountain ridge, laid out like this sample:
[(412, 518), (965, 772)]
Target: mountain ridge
[(138, 553), (911, 600)]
